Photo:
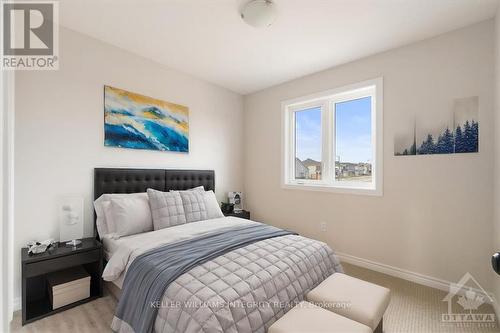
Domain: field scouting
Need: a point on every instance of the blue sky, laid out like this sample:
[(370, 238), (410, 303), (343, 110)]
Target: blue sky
[(353, 131)]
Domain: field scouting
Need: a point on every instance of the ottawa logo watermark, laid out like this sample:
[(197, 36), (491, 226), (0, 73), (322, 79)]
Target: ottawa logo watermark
[(30, 35), (464, 304)]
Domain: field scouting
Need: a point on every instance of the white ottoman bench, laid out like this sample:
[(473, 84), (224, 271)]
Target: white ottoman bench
[(309, 318), (352, 298)]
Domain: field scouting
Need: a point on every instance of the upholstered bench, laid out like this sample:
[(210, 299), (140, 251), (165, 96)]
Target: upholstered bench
[(309, 318), (352, 298)]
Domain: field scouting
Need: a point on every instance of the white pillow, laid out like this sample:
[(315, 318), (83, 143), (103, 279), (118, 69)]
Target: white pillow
[(110, 223), (212, 205), (106, 225), (197, 188), (100, 205), (131, 215)]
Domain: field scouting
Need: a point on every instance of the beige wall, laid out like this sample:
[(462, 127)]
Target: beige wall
[(59, 131), (435, 215)]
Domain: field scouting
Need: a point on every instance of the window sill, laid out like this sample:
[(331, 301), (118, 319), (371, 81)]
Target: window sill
[(334, 189)]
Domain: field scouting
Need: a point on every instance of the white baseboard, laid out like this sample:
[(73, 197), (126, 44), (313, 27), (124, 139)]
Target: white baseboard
[(395, 271), (422, 279), (404, 274)]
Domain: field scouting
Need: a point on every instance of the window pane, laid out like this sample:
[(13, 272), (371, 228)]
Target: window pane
[(308, 144), (353, 140)]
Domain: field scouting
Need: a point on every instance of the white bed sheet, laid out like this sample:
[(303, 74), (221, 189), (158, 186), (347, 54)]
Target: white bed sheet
[(118, 251), (110, 245)]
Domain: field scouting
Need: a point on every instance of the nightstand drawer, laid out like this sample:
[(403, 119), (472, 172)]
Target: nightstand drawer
[(55, 264)]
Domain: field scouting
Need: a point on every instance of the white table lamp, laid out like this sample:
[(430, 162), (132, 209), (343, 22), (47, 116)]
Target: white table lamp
[(71, 220)]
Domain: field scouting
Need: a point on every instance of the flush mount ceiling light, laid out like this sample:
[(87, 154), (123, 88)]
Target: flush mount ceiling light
[(259, 13)]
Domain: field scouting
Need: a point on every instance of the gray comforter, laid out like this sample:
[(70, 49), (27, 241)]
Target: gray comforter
[(244, 290)]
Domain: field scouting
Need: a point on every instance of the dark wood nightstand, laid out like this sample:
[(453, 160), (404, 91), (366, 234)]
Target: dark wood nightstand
[(35, 267), (245, 214)]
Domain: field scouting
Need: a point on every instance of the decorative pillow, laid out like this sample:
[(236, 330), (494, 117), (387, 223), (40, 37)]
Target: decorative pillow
[(105, 223), (131, 215), (213, 208), (197, 188), (194, 205), (166, 208)]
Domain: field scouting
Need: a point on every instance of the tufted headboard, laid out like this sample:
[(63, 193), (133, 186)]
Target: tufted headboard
[(118, 180)]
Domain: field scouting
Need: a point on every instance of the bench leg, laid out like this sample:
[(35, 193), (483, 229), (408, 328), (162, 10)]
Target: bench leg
[(379, 328)]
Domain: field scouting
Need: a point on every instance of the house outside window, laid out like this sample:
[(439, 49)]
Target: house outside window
[(332, 141)]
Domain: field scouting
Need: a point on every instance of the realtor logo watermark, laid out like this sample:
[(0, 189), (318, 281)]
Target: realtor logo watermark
[(30, 35), (464, 302)]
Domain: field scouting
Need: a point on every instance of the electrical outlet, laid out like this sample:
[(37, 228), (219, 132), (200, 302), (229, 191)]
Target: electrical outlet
[(322, 226)]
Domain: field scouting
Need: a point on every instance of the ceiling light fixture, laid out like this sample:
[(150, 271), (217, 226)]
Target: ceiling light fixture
[(259, 13)]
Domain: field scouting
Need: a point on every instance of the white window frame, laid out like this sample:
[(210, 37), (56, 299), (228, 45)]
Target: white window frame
[(327, 100)]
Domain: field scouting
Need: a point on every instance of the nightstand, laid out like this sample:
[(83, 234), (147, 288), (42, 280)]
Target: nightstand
[(35, 267), (245, 214)]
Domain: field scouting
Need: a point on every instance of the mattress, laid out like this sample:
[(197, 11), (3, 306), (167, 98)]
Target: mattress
[(268, 277)]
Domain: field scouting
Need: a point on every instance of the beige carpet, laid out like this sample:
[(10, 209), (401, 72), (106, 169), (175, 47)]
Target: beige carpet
[(413, 308), (416, 308)]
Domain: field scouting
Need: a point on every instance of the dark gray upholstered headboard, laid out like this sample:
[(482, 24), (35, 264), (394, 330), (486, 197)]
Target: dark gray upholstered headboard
[(117, 180)]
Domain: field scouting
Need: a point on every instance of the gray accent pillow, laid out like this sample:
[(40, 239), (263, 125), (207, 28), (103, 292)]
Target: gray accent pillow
[(166, 208), (194, 205)]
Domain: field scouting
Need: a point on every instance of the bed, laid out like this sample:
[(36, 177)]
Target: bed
[(244, 289)]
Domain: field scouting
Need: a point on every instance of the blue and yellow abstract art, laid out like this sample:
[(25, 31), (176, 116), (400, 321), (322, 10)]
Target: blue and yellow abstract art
[(140, 122)]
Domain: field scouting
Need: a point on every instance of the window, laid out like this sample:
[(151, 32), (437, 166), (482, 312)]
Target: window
[(353, 140), (308, 143), (333, 140)]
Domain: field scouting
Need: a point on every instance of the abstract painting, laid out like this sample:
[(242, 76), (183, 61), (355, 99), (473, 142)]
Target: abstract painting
[(140, 122), (458, 134)]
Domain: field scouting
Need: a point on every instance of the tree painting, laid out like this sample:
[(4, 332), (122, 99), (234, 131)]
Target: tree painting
[(462, 137)]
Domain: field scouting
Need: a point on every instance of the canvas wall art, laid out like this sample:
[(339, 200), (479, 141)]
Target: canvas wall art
[(140, 122), (458, 134)]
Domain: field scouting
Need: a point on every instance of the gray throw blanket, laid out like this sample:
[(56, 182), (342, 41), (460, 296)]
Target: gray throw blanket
[(150, 274)]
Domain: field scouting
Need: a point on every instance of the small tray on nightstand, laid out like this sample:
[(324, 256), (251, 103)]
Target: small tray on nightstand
[(245, 214)]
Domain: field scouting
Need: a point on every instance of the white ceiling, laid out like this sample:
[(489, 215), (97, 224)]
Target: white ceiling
[(207, 38)]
